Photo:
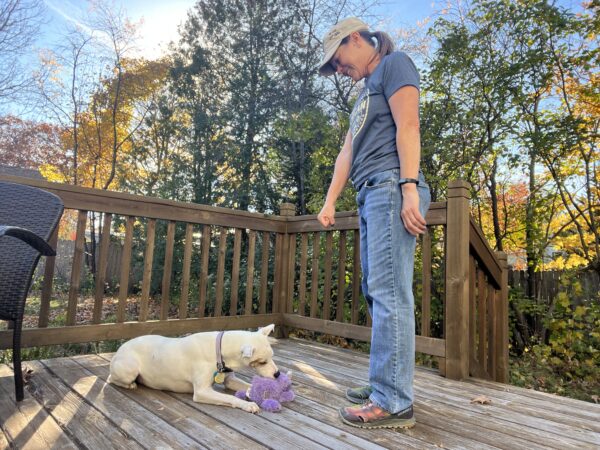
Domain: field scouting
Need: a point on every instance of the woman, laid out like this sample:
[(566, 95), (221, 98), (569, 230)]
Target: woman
[(381, 155)]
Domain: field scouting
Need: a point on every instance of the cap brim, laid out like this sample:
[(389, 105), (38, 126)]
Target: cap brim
[(325, 68)]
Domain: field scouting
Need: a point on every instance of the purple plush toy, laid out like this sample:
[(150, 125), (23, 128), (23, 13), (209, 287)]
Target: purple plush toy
[(269, 393)]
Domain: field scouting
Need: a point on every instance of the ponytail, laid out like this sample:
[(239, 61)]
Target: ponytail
[(385, 45)]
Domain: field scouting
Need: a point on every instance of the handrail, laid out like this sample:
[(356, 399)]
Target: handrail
[(484, 253), (89, 199), (348, 220)]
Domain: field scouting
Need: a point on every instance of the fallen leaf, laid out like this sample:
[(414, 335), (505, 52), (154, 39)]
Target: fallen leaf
[(481, 399)]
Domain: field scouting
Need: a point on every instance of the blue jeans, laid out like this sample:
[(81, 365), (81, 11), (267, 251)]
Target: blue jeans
[(387, 253)]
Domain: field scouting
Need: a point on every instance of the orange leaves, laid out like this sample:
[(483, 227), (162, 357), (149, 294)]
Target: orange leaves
[(28, 144)]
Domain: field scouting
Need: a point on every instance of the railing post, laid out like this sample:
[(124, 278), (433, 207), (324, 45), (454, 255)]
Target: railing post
[(501, 319), (282, 270), (457, 281)]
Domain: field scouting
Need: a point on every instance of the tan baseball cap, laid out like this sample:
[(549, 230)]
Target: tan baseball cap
[(333, 39)]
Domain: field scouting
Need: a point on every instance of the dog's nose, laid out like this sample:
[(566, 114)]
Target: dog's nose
[(276, 374)]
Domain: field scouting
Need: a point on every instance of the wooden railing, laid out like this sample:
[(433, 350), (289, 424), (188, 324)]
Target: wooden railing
[(280, 269)]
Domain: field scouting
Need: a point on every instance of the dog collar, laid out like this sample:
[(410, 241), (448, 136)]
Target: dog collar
[(221, 367)]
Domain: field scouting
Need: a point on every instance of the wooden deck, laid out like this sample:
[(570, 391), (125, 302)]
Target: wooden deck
[(69, 405)]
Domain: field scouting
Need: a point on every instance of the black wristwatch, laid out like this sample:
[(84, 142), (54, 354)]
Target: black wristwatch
[(408, 180)]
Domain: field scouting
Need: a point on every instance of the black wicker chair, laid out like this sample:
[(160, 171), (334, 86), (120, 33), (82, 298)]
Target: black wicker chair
[(28, 217)]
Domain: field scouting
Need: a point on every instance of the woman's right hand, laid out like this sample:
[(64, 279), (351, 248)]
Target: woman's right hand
[(326, 216)]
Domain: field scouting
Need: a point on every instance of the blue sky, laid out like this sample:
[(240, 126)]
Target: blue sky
[(161, 18)]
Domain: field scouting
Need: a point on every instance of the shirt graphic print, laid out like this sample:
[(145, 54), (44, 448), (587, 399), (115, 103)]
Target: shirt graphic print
[(359, 113)]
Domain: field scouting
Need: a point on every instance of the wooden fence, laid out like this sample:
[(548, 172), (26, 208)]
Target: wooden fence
[(549, 283), (295, 275)]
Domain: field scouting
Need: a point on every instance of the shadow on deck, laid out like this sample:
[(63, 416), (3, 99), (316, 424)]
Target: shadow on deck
[(69, 405)]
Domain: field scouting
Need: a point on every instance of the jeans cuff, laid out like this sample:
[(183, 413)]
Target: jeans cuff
[(378, 403)]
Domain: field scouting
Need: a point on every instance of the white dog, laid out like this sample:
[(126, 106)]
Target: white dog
[(190, 364)]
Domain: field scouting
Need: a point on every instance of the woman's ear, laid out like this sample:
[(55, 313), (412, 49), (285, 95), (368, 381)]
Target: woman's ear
[(356, 38)]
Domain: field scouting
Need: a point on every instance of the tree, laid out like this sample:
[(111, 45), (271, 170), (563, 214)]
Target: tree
[(121, 35), (152, 161), (467, 103), (101, 101), (573, 163), (28, 144), (198, 99), (20, 22), (256, 31), (65, 83)]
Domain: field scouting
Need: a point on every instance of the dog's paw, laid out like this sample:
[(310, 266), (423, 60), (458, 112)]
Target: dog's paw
[(251, 407), (132, 386)]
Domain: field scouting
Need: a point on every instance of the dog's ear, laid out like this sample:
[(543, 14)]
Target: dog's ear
[(267, 330), (247, 351)]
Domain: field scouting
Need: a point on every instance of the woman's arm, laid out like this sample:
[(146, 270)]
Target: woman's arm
[(341, 173), (404, 104)]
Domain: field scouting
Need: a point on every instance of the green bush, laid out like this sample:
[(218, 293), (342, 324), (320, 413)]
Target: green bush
[(566, 358)]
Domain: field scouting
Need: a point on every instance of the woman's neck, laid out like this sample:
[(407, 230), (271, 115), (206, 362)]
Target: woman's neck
[(373, 63)]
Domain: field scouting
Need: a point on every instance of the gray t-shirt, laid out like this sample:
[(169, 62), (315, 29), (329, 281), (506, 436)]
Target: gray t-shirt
[(371, 123)]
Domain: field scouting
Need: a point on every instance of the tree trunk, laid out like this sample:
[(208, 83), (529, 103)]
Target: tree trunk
[(530, 230), (494, 200)]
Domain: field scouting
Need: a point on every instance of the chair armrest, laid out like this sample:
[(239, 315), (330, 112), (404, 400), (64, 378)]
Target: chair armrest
[(28, 237)]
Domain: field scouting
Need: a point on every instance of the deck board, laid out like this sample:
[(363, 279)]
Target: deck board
[(511, 396), (304, 424), (68, 404), (517, 415), (27, 424), (138, 423), (206, 430), (87, 426), (434, 417)]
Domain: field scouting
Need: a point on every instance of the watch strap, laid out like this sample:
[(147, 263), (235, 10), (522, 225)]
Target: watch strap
[(408, 180)]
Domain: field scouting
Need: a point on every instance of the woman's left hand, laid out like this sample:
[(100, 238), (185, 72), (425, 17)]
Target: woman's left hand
[(411, 216)]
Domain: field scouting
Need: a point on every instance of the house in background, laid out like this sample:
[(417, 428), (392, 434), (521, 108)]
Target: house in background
[(21, 172)]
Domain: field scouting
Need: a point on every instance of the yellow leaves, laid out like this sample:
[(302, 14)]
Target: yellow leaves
[(51, 173), (584, 93), (571, 261), (563, 300), (579, 312)]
